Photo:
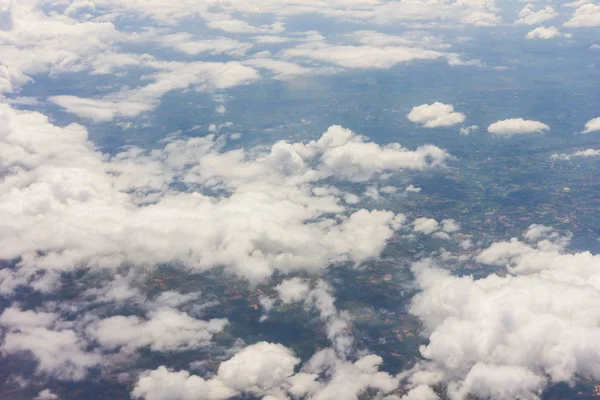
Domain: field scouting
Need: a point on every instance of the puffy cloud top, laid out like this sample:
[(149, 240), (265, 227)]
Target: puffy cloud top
[(527, 16), (506, 337), (544, 33), (592, 125), (435, 115), (509, 127)]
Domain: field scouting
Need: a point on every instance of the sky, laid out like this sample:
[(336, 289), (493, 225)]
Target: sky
[(232, 136)]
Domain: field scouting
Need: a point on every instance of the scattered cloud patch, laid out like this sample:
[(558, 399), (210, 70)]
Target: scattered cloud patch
[(527, 16), (586, 15), (435, 115), (544, 33), (592, 125), (413, 189), (467, 130), (516, 126)]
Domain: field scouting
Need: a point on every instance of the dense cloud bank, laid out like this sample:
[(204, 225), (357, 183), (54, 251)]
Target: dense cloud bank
[(508, 337), (64, 205)]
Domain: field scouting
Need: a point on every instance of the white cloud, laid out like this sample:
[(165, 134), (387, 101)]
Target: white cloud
[(59, 352), (258, 368), (587, 15), (515, 126), (46, 394), (275, 216), (465, 131), (425, 225), (544, 33), (292, 290), (162, 384), (283, 70), (435, 115), (320, 297), (267, 370), (218, 14), (450, 225), (595, 47), (592, 125), (421, 392), (413, 189), (186, 43), (527, 16), (579, 153), (164, 330), (39, 42), (508, 337)]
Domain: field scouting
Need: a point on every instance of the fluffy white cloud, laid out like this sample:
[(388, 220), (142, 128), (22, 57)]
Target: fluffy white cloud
[(267, 370), (544, 33), (164, 330), (435, 115), (450, 225), (162, 384), (186, 43), (46, 394), (527, 16), (39, 42), (59, 351), (515, 126), (218, 14), (413, 189), (466, 130), (361, 56), (320, 297), (585, 16), (425, 225), (507, 337), (258, 368), (579, 153), (274, 216), (592, 125), (283, 70)]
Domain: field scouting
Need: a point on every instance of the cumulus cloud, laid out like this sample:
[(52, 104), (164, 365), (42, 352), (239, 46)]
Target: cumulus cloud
[(46, 394), (162, 384), (435, 115), (425, 225), (587, 15), (59, 351), (275, 215), (268, 370), (544, 33), (39, 42), (579, 153), (165, 329), (508, 337), (515, 126), (592, 125), (413, 189), (527, 16)]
